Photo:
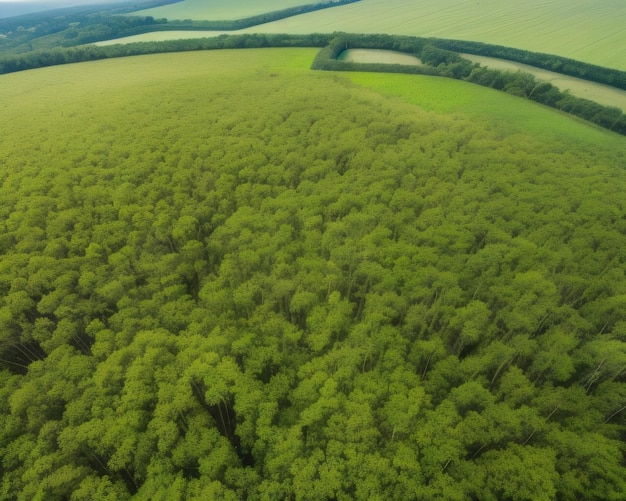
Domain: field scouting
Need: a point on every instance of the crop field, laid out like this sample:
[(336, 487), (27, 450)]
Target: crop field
[(587, 30), (162, 36), (213, 10)]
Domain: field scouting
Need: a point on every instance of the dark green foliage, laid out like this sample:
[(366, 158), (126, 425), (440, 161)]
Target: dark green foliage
[(44, 58), (327, 57), (526, 85), (70, 26), (334, 297), (559, 64)]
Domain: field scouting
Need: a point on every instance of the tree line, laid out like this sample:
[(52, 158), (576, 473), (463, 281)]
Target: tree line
[(551, 62), (437, 61), (447, 63), (70, 26), (59, 55)]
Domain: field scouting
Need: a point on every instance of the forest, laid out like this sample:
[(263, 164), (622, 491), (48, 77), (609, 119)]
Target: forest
[(340, 296)]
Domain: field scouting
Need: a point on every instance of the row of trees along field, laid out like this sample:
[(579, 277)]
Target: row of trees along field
[(437, 61), (239, 24), (60, 55), (442, 62), (66, 27), (335, 297), (551, 62)]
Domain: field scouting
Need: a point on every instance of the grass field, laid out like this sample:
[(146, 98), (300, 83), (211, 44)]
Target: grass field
[(511, 115), (213, 10), (587, 30), (162, 36), (378, 56)]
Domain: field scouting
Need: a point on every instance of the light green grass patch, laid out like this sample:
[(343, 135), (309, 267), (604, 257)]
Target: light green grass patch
[(74, 79), (163, 36), (587, 30), (378, 56), (506, 113)]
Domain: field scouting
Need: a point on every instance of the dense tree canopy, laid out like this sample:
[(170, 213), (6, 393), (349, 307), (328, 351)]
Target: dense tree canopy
[(335, 296)]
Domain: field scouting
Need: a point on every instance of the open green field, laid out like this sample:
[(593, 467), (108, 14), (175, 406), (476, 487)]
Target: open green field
[(214, 10), (484, 105), (587, 30), (160, 36), (226, 276)]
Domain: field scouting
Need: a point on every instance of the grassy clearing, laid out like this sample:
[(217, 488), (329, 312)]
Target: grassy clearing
[(378, 56), (586, 30), (212, 10)]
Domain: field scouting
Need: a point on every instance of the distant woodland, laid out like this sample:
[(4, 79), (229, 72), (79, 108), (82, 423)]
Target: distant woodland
[(81, 25), (338, 296)]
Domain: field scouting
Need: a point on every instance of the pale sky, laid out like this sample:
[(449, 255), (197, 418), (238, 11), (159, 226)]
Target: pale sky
[(57, 2)]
